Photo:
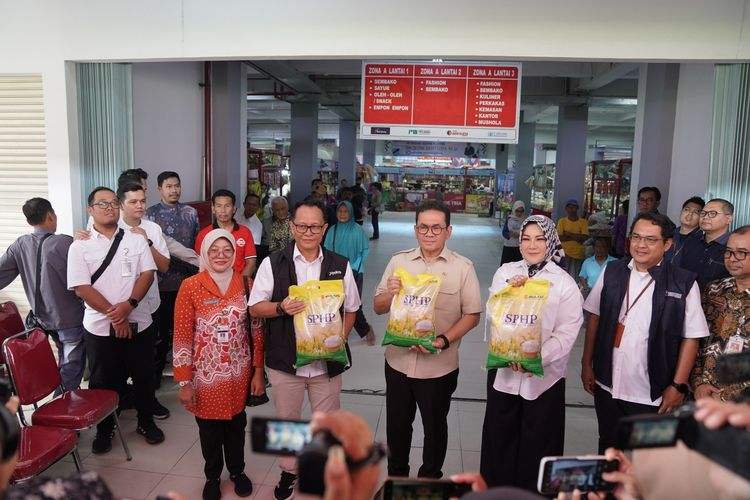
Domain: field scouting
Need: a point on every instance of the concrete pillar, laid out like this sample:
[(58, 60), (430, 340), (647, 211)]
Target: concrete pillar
[(654, 131), (570, 163), (347, 151), (368, 152), (304, 148), (229, 127), (691, 148), (524, 162)]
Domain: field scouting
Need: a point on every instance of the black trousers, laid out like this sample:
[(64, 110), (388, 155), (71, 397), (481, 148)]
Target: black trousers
[(518, 432), (223, 436), (510, 254), (110, 357), (433, 397), (165, 328), (375, 227), (361, 326), (609, 411)]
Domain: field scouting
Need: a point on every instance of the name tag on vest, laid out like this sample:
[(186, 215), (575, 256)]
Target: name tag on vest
[(674, 295)]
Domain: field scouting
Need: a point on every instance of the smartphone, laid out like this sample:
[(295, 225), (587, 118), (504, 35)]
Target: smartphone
[(558, 474), (433, 489), (647, 431), (133, 329), (733, 368), (279, 437)]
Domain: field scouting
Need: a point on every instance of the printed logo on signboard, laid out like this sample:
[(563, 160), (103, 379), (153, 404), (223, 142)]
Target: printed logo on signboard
[(462, 133), (412, 131), (380, 130)]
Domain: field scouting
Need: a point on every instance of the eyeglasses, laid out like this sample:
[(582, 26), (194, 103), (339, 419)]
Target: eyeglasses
[(710, 214), (225, 253), (650, 240), (436, 230), (114, 204), (735, 254), (314, 228)]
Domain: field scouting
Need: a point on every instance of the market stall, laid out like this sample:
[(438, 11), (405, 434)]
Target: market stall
[(606, 184), (542, 185)]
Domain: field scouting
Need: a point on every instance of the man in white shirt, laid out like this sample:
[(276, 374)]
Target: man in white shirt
[(643, 334), (249, 217), (118, 333), (301, 261)]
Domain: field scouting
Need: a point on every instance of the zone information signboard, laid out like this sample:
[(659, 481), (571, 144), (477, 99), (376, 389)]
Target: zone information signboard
[(449, 101)]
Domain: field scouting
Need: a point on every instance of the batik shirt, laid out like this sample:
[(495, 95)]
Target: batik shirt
[(727, 313), (180, 223)]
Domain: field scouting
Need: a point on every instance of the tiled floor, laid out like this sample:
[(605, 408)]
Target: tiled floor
[(177, 463)]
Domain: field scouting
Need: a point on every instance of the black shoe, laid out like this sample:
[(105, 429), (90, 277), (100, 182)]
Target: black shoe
[(212, 490), (374, 237), (102, 443), (242, 485), (151, 432), (160, 411), (285, 488)]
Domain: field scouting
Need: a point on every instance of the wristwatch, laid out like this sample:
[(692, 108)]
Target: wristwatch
[(279, 310), (183, 383), (683, 388), (445, 340), (133, 302)]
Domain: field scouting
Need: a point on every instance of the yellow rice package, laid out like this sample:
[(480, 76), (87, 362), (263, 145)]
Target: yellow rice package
[(319, 328), (514, 315), (412, 318)]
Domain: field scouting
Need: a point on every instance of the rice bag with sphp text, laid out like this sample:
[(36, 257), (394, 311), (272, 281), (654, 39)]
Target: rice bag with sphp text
[(514, 315), (412, 318), (319, 328)]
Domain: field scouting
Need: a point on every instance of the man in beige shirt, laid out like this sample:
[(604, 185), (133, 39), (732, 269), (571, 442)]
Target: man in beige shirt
[(413, 376)]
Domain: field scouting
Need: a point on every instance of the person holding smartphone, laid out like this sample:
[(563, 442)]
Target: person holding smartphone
[(525, 416), (212, 362)]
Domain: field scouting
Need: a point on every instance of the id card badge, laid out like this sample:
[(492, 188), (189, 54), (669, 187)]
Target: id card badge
[(735, 344), (222, 334), (618, 333), (222, 331), (126, 269)]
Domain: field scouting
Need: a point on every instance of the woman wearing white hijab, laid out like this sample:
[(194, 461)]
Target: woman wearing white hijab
[(511, 252), (525, 415), (212, 361)]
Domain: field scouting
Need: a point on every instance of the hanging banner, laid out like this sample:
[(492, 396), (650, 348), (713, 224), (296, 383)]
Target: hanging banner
[(432, 149), (451, 101)]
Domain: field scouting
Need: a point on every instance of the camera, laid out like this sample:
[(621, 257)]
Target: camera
[(294, 437), (433, 489)]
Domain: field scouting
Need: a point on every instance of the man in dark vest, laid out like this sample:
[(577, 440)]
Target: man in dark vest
[(301, 261), (643, 333)]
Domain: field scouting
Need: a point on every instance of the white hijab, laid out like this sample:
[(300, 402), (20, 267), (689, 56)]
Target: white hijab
[(223, 278)]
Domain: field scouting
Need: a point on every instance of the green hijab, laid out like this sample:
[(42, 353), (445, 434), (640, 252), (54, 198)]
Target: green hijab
[(348, 239)]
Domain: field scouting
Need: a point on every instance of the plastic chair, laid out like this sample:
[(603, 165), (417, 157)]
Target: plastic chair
[(11, 323), (40, 447), (34, 375)]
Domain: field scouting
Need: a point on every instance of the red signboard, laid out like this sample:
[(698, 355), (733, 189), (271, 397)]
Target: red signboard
[(447, 101)]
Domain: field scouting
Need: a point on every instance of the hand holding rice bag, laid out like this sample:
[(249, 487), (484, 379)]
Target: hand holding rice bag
[(319, 328), (412, 318), (515, 317)]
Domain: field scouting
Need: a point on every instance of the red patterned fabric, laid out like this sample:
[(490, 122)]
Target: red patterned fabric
[(220, 372)]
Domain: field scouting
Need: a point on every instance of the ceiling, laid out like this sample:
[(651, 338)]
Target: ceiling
[(609, 89)]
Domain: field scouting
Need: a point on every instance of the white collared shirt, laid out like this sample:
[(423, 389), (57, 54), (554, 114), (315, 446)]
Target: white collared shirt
[(85, 257), (253, 224), (561, 322), (305, 270), (154, 233), (630, 380)]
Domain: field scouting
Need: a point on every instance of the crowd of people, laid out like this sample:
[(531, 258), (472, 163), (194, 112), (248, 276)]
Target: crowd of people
[(139, 281)]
